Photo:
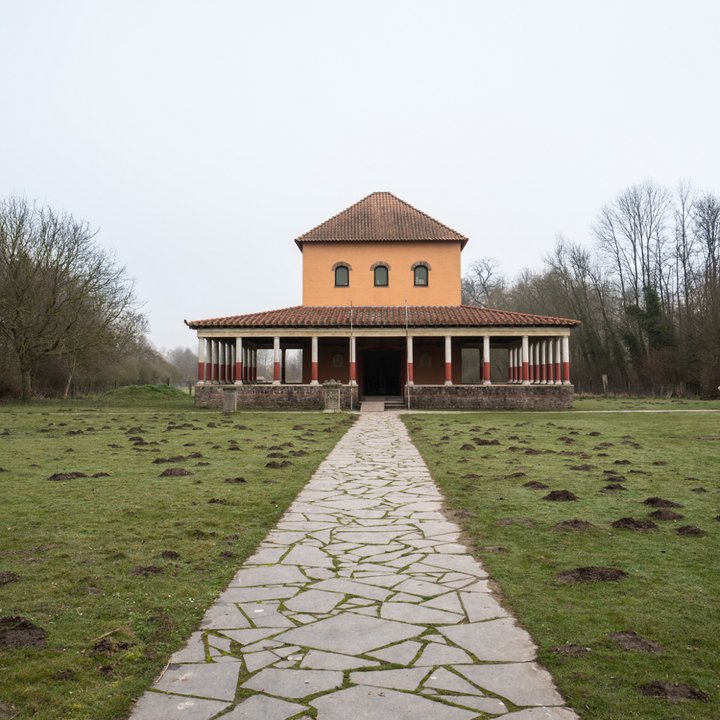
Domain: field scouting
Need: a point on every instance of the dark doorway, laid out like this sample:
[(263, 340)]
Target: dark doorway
[(381, 372)]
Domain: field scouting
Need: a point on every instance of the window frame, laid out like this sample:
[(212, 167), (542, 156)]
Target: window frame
[(342, 266), (421, 266), (386, 268)]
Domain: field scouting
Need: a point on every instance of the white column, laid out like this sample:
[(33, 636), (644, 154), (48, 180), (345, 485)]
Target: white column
[(352, 368), (550, 349), (276, 361), (448, 360), (566, 360), (314, 361), (525, 360), (201, 361), (543, 373), (239, 364), (486, 360), (558, 361), (410, 367)]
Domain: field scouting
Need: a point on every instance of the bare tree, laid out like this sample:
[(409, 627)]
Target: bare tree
[(483, 285), (60, 294)]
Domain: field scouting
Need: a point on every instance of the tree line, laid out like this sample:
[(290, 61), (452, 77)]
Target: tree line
[(647, 292), (69, 316)]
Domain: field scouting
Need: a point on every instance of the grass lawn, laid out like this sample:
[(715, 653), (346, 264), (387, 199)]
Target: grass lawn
[(671, 595), (602, 402), (119, 568)]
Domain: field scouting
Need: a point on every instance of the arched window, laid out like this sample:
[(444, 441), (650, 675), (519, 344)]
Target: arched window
[(421, 275), (381, 276), (342, 276)]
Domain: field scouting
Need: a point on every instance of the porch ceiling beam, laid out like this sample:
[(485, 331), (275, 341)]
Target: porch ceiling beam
[(439, 332)]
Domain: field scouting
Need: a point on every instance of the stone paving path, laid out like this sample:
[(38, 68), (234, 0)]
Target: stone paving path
[(360, 604)]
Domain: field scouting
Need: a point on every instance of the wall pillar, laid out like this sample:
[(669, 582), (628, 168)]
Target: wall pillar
[(253, 365), (558, 357), (486, 360), (566, 360), (314, 361), (543, 368), (525, 364), (410, 373), (511, 364), (239, 360), (448, 360), (276, 360), (201, 361)]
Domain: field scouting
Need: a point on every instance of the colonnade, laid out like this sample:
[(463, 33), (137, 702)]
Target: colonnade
[(540, 362), (531, 361)]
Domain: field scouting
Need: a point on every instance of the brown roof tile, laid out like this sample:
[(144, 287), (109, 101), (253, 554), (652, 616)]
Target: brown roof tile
[(387, 316), (381, 217)]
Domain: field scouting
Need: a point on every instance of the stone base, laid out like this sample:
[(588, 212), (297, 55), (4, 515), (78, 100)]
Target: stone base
[(491, 397), (273, 397)]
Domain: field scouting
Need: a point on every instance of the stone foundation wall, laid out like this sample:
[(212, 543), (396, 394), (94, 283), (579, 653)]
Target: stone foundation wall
[(272, 397), (491, 397)]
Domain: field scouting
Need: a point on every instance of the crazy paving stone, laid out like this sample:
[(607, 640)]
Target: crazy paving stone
[(307, 555), (268, 575), (194, 651), (407, 679), (215, 681), (371, 703), (489, 705), (294, 683), (400, 654), (481, 606), (443, 679), (314, 601), (262, 707), (549, 713), (499, 640), (320, 660), (350, 633), (437, 654), (521, 683), (152, 706), (406, 612), (223, 616)]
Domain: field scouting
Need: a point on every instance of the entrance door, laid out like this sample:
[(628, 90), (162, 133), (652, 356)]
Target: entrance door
[(381, 374)]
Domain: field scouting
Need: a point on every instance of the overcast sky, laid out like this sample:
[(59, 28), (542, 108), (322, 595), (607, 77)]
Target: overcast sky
[(201, 138)]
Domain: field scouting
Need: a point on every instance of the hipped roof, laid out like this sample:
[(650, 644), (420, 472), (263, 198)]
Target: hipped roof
[(383, 316), (381, 217)]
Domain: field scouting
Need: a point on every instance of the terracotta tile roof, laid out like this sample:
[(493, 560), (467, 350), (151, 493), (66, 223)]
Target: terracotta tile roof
[(388, 316), (381, 217)]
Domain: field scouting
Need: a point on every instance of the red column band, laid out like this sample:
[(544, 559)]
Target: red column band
[(486, 372), (276, 371), (566, 372), (525, 371), (550, 377), (201, 371), (352, 371), (314, 371), (238, 371), (410, 372), (448, 371)]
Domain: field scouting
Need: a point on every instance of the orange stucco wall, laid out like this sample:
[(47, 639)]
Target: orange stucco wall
[(319, 278)]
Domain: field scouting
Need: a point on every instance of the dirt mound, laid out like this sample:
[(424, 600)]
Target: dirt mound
[(571, 650), (66, 674), (622, 462), (560, 496), (483, 441), (274, 465), (217, 501), (582, 468), (591, 574), (170, 555), (690, 530), (628, 523), (175, 472), (173, 459), (59, 477), (630, 640), (661, 503), (17, 631), (7, 577), (100, 475), (672, 691), (471, 476), (612, 487), (574, 524), (699, 490), (236, 480), (109, 646), (467, 446), (146, 570), (515, 475), (535, 485), (494, 549), (666, 515)]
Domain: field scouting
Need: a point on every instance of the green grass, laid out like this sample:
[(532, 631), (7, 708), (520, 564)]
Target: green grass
[(671, 595), (619, 403), (78, 544)]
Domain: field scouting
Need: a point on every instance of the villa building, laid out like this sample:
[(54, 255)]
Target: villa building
[(382, 314)]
